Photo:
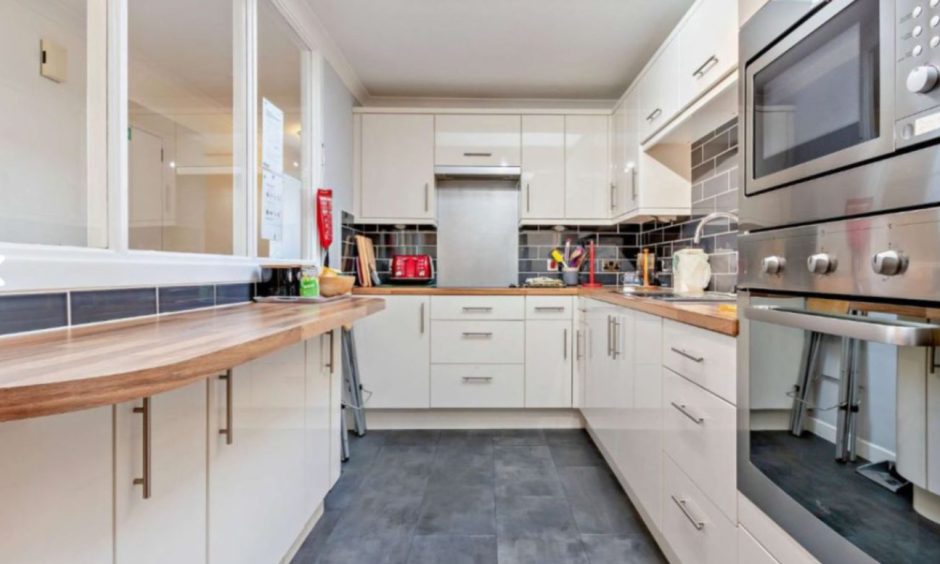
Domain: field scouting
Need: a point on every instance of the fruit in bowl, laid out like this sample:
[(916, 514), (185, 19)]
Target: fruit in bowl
[(333, 283)]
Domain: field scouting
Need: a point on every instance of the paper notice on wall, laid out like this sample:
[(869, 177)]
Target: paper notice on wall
[(272, 137), (272, 206)]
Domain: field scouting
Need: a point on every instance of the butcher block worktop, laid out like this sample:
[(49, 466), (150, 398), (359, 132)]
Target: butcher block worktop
[(705, 315), (84, 367)]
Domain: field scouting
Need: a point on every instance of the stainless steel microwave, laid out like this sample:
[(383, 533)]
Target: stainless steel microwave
[(835, 84)]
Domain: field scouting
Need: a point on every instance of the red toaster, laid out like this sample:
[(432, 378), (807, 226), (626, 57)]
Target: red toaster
[(412, 268)]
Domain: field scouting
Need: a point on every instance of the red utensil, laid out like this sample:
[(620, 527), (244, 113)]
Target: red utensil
[(591, 283)]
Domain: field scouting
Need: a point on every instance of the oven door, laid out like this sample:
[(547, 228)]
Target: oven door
[(839, 413), (821, 98)]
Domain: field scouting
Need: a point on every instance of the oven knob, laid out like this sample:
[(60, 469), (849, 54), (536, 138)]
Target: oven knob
[(821, 263), (773, 265), (922, 79), (889, 263)]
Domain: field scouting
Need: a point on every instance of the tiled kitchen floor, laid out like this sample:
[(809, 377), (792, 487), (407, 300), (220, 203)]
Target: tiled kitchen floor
[(462, 497)]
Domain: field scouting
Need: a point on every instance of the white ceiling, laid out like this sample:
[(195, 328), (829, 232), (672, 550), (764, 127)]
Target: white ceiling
[(549, 49)]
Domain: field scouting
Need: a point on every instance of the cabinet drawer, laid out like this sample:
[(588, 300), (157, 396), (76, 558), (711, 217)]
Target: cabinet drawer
[(477, 307), (476, 342), (548, 307), (700, 438), (705, 357), (477, 140), (477, 385), (694, 528)]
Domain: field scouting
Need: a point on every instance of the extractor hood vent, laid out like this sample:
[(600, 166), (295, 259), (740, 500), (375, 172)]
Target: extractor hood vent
[(486, 172)]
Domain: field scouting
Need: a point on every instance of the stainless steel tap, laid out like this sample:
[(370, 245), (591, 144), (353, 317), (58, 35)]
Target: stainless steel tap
[(708, 219)]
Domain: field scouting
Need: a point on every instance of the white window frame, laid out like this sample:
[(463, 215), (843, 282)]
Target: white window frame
[(35, 268)]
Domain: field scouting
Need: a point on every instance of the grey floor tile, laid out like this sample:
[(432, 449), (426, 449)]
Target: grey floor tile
[(526, 471), (519, 437), (466, 510), (472, 469), (316, 541), (382, 549), (417, 437), (450, 549), (534, 515), (598, 503), (541, 548), (622, 549), (576, 454), (389, 516), (566, 436), (472, 438)]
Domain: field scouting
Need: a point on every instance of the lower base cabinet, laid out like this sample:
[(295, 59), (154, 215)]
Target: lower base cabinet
[(548, 361)]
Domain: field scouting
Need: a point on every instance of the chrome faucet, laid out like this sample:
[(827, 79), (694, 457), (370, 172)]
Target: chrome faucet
[(708, 219)]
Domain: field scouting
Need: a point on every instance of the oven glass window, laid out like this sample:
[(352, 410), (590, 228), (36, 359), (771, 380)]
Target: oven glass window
[(846, 427), (820, 96)]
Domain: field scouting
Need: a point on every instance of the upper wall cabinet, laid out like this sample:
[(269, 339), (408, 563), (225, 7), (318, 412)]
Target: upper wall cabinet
[(543, 167), (478, 140), (587, 190), (659, 92), (397, 168), (708, 47)]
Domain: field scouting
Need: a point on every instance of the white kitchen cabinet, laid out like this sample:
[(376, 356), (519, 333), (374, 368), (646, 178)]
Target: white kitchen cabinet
[(170, 526), (548, 354), (319, 373), (394, 347), (477, 140), (477, 342), (543, 167), (476, 308), (750, 551), (708, 47), (396, 162), (659, 90), (56, 487), (587, 187), (705, 357), (623, 158), (261, 473), (608, 385), (484, 386)]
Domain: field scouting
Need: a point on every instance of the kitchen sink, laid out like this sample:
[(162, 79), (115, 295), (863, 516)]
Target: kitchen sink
[(707, 297)]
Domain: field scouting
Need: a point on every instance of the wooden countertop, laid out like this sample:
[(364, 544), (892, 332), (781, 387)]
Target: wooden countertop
[(84, 367), (706, 316)]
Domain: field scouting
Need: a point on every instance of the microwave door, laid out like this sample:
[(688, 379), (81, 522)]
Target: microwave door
[(821, 99)]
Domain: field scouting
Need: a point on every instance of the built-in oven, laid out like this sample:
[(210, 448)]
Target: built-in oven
[(839, 384), (838, 87)]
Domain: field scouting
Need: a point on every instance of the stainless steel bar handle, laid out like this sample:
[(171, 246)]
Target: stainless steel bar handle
[(565, 344), (685, 411), (471, 334), (610, 346), (145, 481), (686, 354), (684, 507), (477, 309), (228, 430), (549, 308), (891, 332), (655, 114), (613, 191), (578, 355), (528, 197), (427, 196), (478, 154), (616, 338), (332, 357), (477, 378), (710, 62), (421, 314), (633, 181)]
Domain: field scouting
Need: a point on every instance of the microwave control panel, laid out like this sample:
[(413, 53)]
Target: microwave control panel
[(917, 89)]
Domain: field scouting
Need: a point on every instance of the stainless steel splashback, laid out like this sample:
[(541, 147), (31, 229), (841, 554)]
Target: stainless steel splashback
[(477, 233)]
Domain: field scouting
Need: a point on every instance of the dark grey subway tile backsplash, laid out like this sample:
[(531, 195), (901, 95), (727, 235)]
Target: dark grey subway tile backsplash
[(226, 294), (33, 312), (179, 298), (105, 305)]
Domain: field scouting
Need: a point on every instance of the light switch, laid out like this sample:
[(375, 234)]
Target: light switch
[(54, 61)]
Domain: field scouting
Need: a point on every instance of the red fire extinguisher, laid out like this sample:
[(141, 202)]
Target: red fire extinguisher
[(325, 217)]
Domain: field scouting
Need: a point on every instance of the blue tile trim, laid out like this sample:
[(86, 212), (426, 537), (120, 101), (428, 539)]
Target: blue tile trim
[(32, 312), (107, 305), (181, 298), (226, 294)]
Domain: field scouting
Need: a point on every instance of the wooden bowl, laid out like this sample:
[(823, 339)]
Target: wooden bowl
[(336, 285)]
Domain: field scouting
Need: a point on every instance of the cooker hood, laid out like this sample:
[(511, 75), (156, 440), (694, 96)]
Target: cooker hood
[(479, 172)]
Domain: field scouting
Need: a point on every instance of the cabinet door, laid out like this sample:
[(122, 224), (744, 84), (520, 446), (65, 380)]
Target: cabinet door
[(397, 162), (318, 428), (659, 91), (170, 526), (708, 47), (629, 174), (477, 140), (56, 483), (543, 167), (622, 392), (394, 353), (256, 483), (548, 352), (587, 190)]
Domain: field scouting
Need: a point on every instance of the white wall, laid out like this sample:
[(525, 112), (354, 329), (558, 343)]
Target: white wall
[(42, 126), (338, 103)]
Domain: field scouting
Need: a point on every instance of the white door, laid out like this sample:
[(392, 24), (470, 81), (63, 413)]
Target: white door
[(659, 92), (548, 354), (543, 167), (708, 44), (56, 483), (587, 190), (622, 395), (629, 173), (170, 526), (145, 179), (397, 166), (256, 505), (394, 353)]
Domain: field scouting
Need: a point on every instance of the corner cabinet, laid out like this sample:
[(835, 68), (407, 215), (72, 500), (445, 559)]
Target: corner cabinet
[(543, 168), (708, 47), (396, 168)]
